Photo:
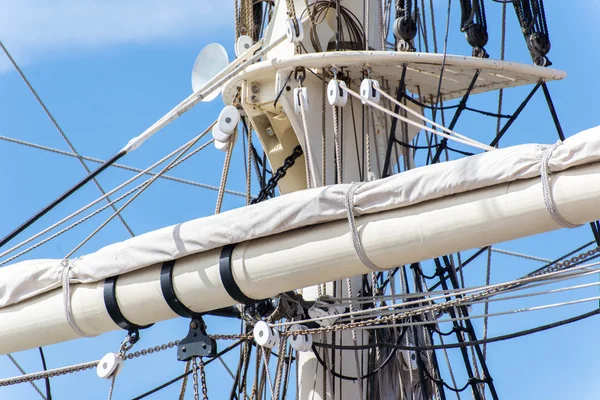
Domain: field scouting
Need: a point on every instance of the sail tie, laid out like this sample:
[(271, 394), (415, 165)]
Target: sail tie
[(547, 189), (65, 279), (360, 252)]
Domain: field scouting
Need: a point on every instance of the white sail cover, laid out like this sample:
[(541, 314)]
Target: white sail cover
[(26, 279)]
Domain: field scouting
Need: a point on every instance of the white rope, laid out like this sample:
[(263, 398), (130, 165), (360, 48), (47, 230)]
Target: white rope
[(116, 165), (459, 139), (433, 123), (360, 252), (112, 386), (145, 171), (22, 371), (65, 279), (337, 146), (310, 162), (521, 255), (547, 189)]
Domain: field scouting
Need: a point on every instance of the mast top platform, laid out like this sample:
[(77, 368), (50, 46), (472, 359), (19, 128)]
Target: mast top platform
[(423, 71)]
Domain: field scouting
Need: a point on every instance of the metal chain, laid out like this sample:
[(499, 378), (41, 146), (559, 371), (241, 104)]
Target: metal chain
[(195, 376), (447, 304), (279, 174), (564, 264), (203, 380)]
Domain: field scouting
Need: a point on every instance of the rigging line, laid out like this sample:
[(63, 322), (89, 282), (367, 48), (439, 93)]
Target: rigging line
[(357, 378), (469, 343), (61, 132), (459, 139), (520, 255), (22, 371), (230, 71), (443, 66), (177, 378), (99, 199), (47, 380), (146, 185), (494, 299), (496, 287), (425, 119), (580, 248), (116, 165), (60, 199)]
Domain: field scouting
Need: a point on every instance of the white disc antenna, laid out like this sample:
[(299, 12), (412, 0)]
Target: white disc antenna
[(211, 60)]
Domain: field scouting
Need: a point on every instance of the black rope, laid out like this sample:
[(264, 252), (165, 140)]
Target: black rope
[(47, 379), (532, 17), (441, 382), (61, 198), (366, 376)]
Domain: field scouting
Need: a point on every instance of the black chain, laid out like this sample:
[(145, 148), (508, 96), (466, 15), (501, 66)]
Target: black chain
[(280, 173)]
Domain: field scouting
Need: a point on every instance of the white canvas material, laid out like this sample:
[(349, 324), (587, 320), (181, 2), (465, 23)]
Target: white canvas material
[(27, 279)]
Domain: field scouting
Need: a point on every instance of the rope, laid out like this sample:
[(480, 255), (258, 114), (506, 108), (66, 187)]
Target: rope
[(142, 189), (249, 168), (268, 374), (310, 163), (360, 252), (443, 128), (22, 371), (62, 133), (457, 138), (112, 386), (120, 166), (547, 189), (225, 173), (87, 217), (323, 134), (97, 201), (355, 342), (186, 369), (65, 279), (336, 141), (521, 255)]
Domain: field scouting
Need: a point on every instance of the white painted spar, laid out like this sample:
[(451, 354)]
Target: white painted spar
[(303, 257)]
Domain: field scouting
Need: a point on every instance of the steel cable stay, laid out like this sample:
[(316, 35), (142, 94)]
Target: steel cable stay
[(97, 211), (494, 339), (62, 133), (250, 56), (116, 165), (457, 292), (472, 293)]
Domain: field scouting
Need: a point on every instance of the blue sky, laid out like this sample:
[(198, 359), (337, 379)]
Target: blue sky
[(109, 69)]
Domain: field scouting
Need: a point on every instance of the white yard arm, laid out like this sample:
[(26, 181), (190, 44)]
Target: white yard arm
[(265, 267)]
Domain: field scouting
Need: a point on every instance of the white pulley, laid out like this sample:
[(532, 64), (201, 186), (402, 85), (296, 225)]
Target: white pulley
[(410, 359), (242, 45), (368, 90), (109, 366), (326, 311), (300, 342), (299, 105), (265, 336), (294, 36), (229, 119), (336, 93), (219, 135), (223, 146)]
